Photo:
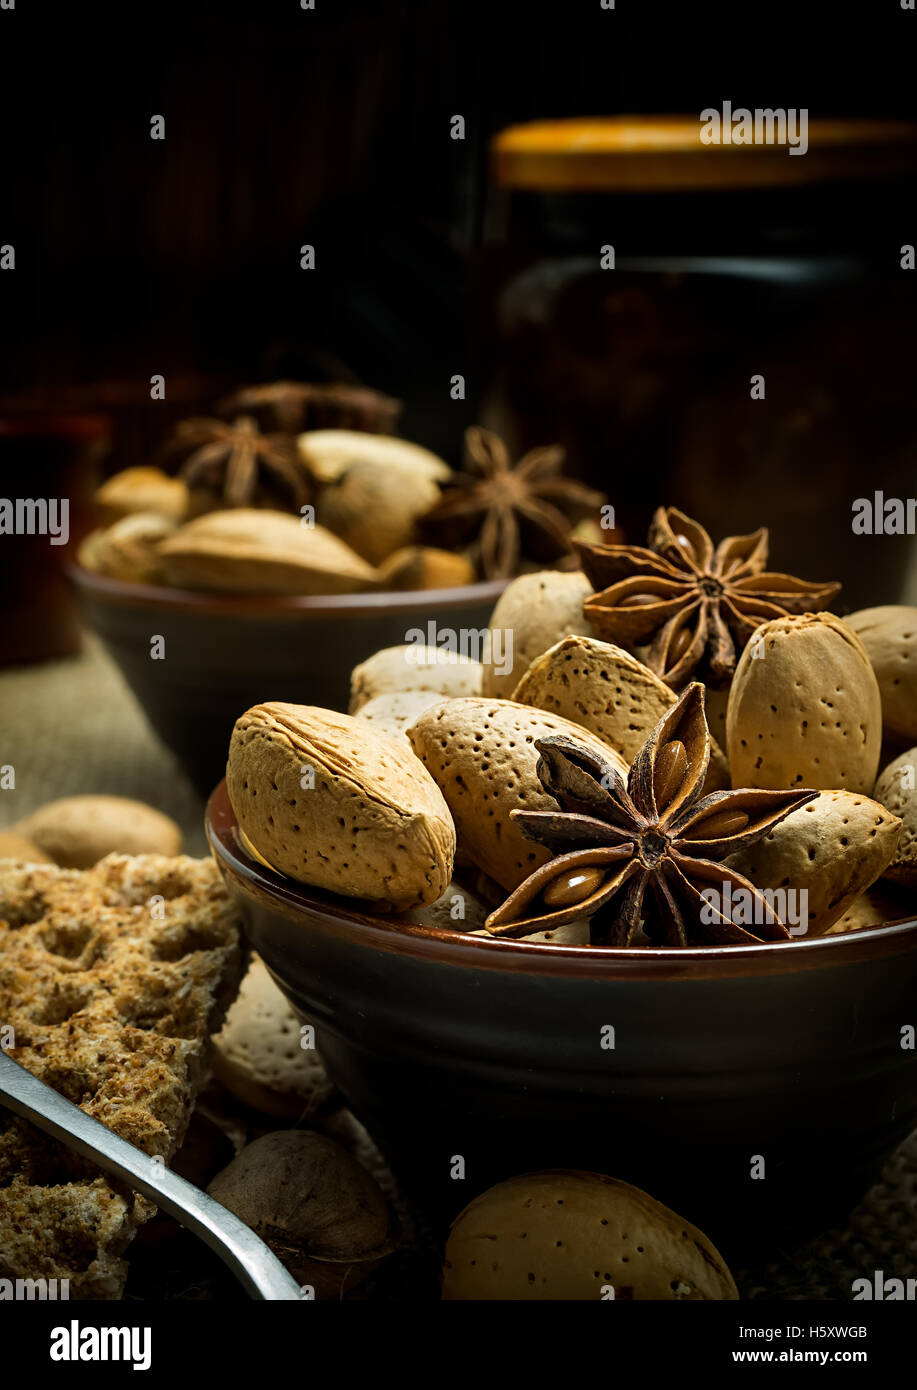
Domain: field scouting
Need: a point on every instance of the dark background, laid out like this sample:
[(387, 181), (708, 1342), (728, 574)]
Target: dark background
[(331, 127)]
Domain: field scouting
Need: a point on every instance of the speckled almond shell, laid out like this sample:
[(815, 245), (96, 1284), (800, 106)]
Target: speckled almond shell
[(482, 755), (413, 666), (889, 634), (574, 1235), (895, 789), (395, 711), (77, 831), (879, 905), (607, 691), (539, 609), (374, 511), (806, 713), (245, 550), (457, 910), (834, 848), (257, 1054), (373, 826)]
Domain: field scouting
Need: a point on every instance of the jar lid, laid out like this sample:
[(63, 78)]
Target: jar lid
[(667, 153)]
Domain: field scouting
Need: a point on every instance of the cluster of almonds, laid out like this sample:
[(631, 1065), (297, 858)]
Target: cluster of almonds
[(570, 795), (332, 510)]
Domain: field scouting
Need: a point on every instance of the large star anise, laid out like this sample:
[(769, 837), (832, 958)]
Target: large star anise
[(505, 511), (292, 406), (239, 465), (613, 841), (696, 606)]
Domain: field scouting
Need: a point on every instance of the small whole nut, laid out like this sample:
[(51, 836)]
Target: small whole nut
[(607, 691), (482, 755), (889, 634), (258, 1056), (424, 567), (457, 910), (16, 846), (128, 550), (833, 848), (878, 906), (319, 1211), (375, 510), (895, 789), (565, 1234), (335, 804), (250, 550), (77, 831), (394, 712), (538, 610), (328, 454), (804, 708), (141, 489), (414, 666)]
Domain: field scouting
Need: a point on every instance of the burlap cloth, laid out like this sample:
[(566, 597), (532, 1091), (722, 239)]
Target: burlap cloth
[(73, 726)]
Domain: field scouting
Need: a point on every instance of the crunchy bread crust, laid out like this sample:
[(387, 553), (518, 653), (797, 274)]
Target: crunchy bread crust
[(112, 979)]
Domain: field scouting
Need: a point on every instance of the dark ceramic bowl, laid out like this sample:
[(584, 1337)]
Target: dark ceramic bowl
[(452, 1046), (225, 653)]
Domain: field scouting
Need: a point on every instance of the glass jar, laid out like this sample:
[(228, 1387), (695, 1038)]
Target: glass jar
[(730, 264), (50, 468)]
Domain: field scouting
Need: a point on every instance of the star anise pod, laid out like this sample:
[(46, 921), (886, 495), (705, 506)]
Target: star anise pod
[(239, 465), (293, 406), (694, 605), (506, 511), (612, 841)]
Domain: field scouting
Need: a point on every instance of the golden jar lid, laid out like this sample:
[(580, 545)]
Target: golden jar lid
[(666, 153)]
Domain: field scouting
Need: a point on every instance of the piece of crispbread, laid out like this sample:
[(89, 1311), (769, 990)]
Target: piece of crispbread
[(112, 980)]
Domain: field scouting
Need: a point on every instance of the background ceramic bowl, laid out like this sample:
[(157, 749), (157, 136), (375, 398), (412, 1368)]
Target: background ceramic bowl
[(223, 654), (497, 1052)]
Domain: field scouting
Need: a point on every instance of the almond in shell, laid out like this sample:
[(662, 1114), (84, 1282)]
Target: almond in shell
[(482, 755), (565, 1234), (248, 550), (607, 691), (414, 666), (879, 905), (425, 567), (834, 848), (328, 454), (77, 831), (895, 789), (333, 803), (129, 550), (533, 612), (374, 510), (889, 634), (457, 910), (13, 845), (314, 1205), (141, 489), (258, 1056), (804, 708), (394, 712)]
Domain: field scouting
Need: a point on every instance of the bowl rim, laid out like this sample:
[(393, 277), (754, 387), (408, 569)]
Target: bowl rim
[(125, 594), (439, 945)]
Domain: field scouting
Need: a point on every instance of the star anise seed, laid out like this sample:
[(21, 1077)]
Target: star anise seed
[(613, 841), (694, 605), (239, 465), (293, 406), (509, 512)]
